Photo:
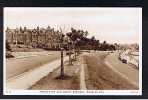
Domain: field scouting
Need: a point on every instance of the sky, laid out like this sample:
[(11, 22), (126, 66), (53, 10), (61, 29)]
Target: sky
[(114, 25)]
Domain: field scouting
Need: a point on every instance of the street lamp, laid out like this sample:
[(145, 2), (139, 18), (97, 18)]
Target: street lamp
[(62, 65)]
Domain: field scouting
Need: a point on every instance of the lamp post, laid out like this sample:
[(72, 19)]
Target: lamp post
[(62, 65)]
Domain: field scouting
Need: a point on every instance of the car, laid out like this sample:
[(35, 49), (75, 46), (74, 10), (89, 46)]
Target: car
[(124, 60)]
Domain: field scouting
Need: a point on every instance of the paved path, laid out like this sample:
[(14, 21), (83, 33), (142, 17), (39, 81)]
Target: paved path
[(27, 61), (27, 79), (83, 66)]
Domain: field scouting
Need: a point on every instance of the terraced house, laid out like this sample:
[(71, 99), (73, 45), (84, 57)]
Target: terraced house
[(46, 38)]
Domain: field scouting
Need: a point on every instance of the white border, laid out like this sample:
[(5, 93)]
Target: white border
[(77, 92), (72, 92)]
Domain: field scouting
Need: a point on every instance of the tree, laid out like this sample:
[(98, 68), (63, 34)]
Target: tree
[(69, 46), (38, 33), (97, 44), (104, 45), (92, 40), (77, 37)]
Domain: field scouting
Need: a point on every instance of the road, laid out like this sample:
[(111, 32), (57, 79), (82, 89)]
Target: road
[(19, 65), (128, 70), (111, 75)]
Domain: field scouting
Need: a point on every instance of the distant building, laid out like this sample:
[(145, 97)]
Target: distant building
[(39, 37)]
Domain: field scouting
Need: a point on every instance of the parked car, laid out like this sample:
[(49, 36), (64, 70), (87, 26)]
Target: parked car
[(124, 61)]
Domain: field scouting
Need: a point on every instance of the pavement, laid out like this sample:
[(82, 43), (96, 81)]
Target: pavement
[(27, 79), (83, 66), (29, 60)]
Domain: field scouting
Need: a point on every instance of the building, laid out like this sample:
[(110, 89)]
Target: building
[(37, 38)]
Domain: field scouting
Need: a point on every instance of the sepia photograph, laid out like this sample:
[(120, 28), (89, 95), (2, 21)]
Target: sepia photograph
[(72, 51)]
